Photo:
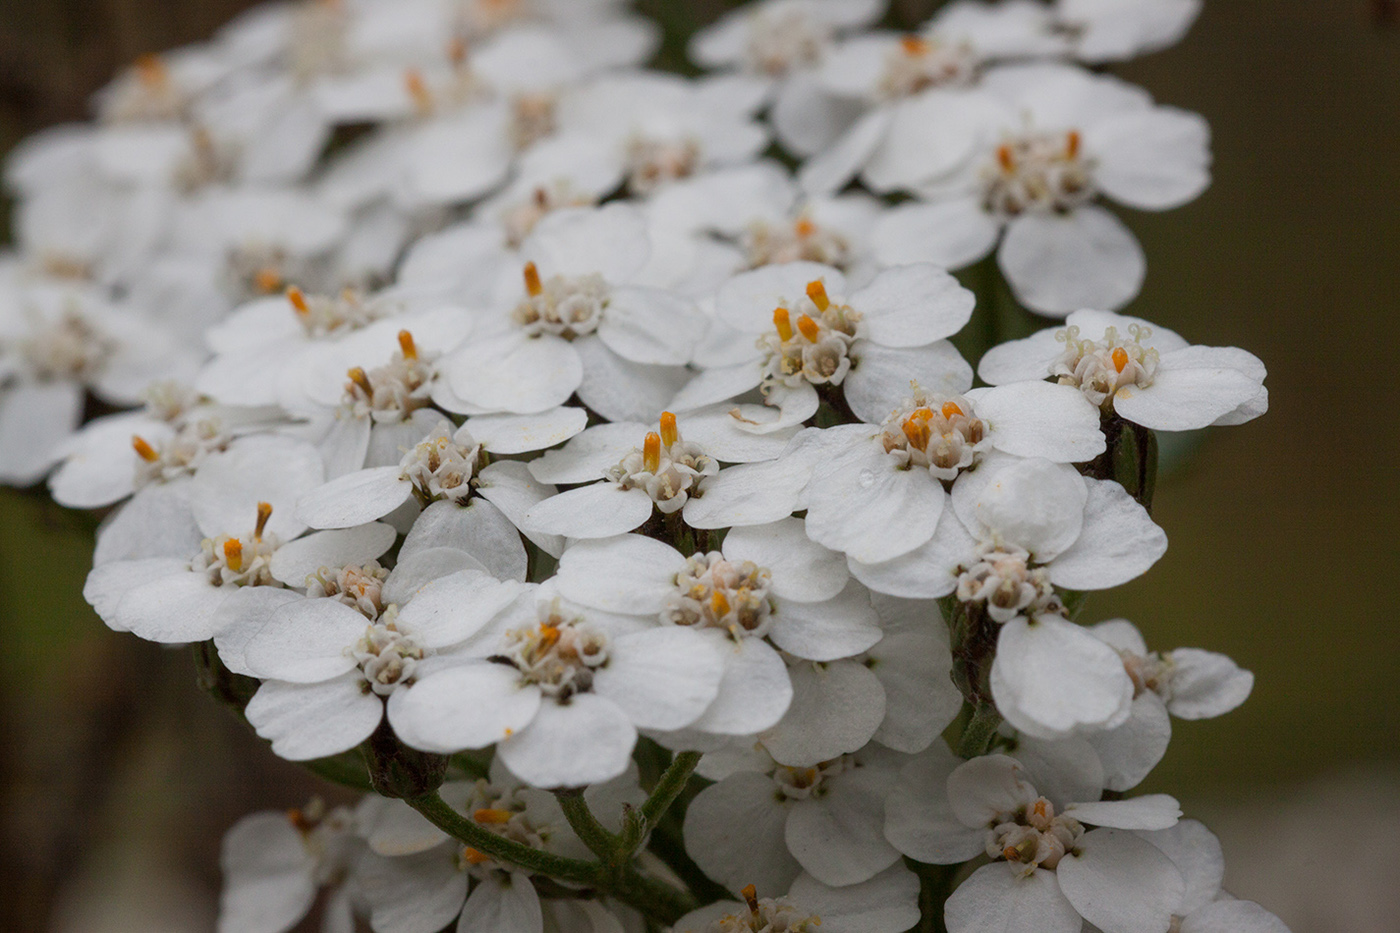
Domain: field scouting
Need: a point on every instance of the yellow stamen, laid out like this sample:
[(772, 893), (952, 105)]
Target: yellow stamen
[(783, 321), (418, 90), (1005, 158), (719, 603), (809, 328), (750, 897), (804, 228), (267, 280), (817, 292), (298, 300), (916, 429), (1072, 144), (474, 857), (1120, 358), (669, 432), (951, 410), (150, 70), (1010, 854), (533, 286), (1040, 807), (651, 452), (264, 513), (233, 554), (406, 345), (358, 377), (549, 635), (492, 816), (147, 452), (914, 45)]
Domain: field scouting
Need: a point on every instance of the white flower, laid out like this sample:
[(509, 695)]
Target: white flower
[(886, 903), (666, 475), (1045, 864), (1111, 30), (765, 827), (583, 323), (769, 583), (1187, 683), (1053, 138), (560, 689), (1141, 372), (808, 335)]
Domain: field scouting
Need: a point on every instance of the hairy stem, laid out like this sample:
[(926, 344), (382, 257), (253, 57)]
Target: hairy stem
[(602, 843)]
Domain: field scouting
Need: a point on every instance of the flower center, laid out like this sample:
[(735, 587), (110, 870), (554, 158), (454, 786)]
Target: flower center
[(814, 346), (148, 93), (257, 269), (504, 813), (668, 467), (652, 163), (442, 468), (191, 445), (325, 316), (459, 88), (328, 837), (359, 586), (246, 561), (778, 44), (765, 915), (394, 391), (1039, 173), (936, 433), (387, 657), (69, 347), (1004, 582), (1034, 837), (210, 161), (567, 307), (1149, 672), (559, 655), (482, 17), (532, 118), (520, 219), (802, 240), (803, 783), (712, 592), (918, 63), (1100, 368)]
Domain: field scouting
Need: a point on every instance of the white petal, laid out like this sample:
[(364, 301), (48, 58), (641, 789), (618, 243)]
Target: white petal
[(803, 570), (156, 522), (1205, 684), (835, 709), (953, 233), (630, 574), (920, 696), (909, 306), (927, 572), (662, 678), (839, 838), (514, 373), (738, 433), (995, 899), (609, 241), (1035, 504), (393, 828), (1196, 853), (508, 485), (355, 498), (718, 384), (1132, 750), (451, 609), (918, 819), (889, 901), (1041, 419), (587, 741), (930, 134), (1062, 769), (880, 376), (600, 510), (1120, 882), (305, 642), (829, 171), (418, 893), (836, 628), (1152, 159), (1024, 360), (514, 434), (306, 721), (35, 417), (268, 875), (1084, 259), (1152, 811), (1052, 678), (754, 692), (173, 609), (584, 458), (477, 529), (648, 325), (746, 301), (463, 706), (1193, 388), (734, 832), (423, 566), (261, 468), (499, 904), (296, 560), (621, 390), (1119, 541), (983, 788), (859, 503), (1232, 917)]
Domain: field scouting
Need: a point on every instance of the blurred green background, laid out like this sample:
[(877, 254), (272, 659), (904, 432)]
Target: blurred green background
[(117, 777)]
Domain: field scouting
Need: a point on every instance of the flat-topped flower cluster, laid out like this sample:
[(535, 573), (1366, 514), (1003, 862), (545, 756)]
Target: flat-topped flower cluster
[(523, 440)]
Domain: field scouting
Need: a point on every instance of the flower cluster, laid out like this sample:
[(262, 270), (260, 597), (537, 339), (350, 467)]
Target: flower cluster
[(524, 447)]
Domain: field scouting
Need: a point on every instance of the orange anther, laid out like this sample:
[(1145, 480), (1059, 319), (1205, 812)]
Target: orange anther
[(817, 292), (804, 227), (1040, 807), (457, 51), (407, 346), (300, 821), (418, 89), (809, 328), (719, 603), (669, 432), (951, 410), (783, 321), (358, 377), (489, 815), (474, 857), (917, 431), (233, 554), (549, 635), (150, 70), (146, 451), (298, 300), (1120, 358), (750, 897), (264, 513), (267, 280), (1011, 854), (1072, 144), (1005, 158), (914, 45), (533, 287), (651, 452)]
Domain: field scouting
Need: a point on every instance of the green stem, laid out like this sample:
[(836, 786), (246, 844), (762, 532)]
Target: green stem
[(935, 884), (980, 731), (669, 787), (602, 843)]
